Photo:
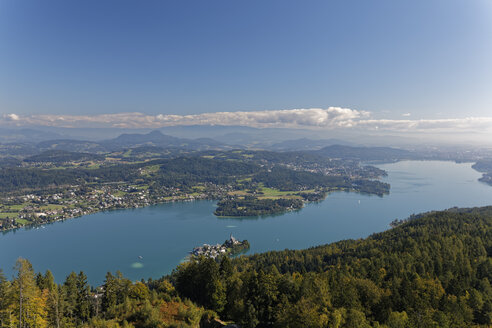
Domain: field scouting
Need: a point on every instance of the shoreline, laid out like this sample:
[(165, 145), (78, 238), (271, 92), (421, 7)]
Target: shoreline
[(37, 225)]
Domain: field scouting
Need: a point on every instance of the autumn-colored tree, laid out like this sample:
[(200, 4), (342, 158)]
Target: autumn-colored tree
[(6, 301), (139, 291), (30, 300)]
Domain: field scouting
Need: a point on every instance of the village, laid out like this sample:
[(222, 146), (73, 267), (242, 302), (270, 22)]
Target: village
[(76, 201), (232, 246), (337, 167)]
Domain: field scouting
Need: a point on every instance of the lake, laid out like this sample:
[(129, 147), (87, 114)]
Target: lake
[(164, 234)]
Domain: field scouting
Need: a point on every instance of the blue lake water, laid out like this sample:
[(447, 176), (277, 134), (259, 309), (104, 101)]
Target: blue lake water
[(163, 234)]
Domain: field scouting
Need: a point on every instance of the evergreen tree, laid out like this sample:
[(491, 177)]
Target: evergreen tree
[(55, 305), (83, 309), (70, 293), (110, 296)]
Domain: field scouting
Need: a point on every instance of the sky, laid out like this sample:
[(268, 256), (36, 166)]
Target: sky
[(421, 64)]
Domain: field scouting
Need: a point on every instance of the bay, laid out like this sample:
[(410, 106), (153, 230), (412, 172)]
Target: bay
[(152, 241)]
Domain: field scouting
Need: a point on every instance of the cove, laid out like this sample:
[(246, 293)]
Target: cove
[(150, 242)]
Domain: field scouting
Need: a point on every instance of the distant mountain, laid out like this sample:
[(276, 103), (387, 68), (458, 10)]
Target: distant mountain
[(135, 140), (210, 142), (72, 145), (306, 144), (238, 135), (18, 149), (365, 153), (158, 139), (9, 161), (240, 138), (62, 156), (8, 135), (154, 138), (209, 131)]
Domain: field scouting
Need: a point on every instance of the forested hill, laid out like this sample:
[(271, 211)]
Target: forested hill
[(433, 271), (366, 153), (439, 238), (62, 156)]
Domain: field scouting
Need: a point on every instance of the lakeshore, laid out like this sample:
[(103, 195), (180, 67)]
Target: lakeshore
[(165, 233), (35, 210), (42, 192)]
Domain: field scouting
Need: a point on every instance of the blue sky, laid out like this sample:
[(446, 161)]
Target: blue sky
[(429, 59)]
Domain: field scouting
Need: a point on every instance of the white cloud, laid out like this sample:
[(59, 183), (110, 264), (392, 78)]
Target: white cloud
[(11, 117), (406, 114), (468, 124), (332, 118), (313, 117)]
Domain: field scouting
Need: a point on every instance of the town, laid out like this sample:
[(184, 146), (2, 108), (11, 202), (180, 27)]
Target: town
[(76, 201)]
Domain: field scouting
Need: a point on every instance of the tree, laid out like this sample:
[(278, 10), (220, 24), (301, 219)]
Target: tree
[(110, 296), (302, 314), (55, 304), (226, 268), (31, 301), (83, 309), (398, 320), (70, 293), (139, 291), (6, 301), (201, 282), (45, 282)]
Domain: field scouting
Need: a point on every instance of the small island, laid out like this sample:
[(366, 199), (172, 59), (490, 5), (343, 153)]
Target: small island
[(266, 201), (253, 206), (230, 247)]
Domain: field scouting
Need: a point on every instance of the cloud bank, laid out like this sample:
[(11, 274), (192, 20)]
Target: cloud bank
[(331, 118), (292, 118)]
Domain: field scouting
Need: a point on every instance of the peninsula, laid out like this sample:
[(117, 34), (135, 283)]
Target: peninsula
[(230, 247), (51, 188)]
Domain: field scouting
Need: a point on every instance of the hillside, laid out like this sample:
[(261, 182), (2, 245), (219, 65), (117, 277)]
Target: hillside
[(306, 144), (433, 270), (484, 166), (62, 156), (365, 153)]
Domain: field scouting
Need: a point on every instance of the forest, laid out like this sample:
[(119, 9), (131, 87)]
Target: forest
[(484, 166), (176, 172), (252, 206), (60, 156), (285, 179), (433, 270)]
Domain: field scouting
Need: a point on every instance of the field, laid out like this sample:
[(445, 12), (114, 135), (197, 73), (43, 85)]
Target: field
[(271, 193), (51, 207), (8, 214)]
